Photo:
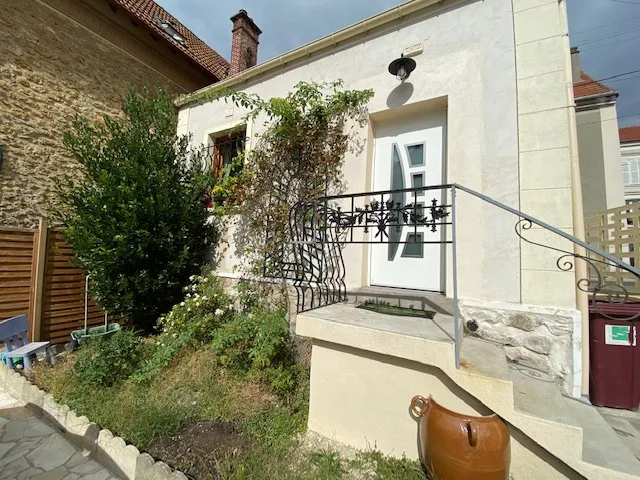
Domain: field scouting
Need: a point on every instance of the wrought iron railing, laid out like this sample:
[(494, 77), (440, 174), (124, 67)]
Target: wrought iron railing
[(321, 228)]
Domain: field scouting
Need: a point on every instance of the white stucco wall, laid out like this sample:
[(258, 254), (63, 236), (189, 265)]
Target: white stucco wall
[(468, 65), (548, 147), (612, 162), (508, 133)]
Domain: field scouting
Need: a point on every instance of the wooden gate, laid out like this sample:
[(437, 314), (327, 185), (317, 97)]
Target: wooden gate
[(37, 277)]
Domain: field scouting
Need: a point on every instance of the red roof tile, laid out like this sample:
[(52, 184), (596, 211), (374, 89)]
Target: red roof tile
[(588, 87), (630, 134), (146, 11)]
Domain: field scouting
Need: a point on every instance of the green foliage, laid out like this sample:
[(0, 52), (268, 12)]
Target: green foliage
[(328, 465), (192, 322), (253, 341), (387, 467), (298, 157), (228, 190), (136, 219), (107, 361)]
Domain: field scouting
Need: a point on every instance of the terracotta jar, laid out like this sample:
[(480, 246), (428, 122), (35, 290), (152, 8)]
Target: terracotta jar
[(461, 447)]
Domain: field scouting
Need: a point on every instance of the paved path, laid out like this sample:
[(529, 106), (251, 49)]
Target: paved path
[(31, 449)]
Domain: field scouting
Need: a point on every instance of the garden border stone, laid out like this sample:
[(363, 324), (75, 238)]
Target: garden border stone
[(113, 452)]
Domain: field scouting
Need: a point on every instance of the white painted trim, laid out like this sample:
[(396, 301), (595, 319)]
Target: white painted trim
[(325, 43), (221, 129)]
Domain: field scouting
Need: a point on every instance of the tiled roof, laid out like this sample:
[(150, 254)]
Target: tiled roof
[(630, 134), (588, 87), (146, 11)]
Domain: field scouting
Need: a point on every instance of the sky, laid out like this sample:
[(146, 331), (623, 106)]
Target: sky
[(606, 31)]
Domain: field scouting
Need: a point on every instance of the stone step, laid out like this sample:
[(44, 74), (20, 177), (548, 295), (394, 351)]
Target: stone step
[(402, 297), (536, 394), (602, 445), (439, 329)]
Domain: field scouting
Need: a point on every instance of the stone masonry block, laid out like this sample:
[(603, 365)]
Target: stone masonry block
[(539, 344), (34, 398), (51, 411), (4, 372), (114, 453), (15, 384), (81, 431), (527, 323), (161, 471), (144, 467), (128, 457), (528, 358)]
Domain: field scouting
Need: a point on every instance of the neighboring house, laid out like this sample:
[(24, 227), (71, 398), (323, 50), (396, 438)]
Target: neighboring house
[(61, 58), (488, 107), (599, 149), (630, 151)]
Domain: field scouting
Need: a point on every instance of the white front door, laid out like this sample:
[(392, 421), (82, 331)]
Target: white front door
[(409, 154)]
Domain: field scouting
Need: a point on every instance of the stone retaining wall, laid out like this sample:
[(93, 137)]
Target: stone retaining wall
[(111, 451), (546, 339)]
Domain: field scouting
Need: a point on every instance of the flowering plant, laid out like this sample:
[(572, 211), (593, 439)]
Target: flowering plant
[(205, 307)]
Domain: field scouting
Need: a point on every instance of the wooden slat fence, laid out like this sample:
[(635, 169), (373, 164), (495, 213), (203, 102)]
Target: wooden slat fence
[(16, 263), (38, 278), (617, 231)]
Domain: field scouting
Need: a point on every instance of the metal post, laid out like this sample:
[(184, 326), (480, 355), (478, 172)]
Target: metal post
[(86, 302), (454, 254)]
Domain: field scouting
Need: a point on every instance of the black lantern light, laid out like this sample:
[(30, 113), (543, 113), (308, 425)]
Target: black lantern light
[(402, 67)]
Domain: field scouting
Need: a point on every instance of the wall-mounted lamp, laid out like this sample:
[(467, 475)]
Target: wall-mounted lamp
[(402, 67), (1, 155)]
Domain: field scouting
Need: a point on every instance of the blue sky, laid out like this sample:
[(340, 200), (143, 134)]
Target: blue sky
[(286, 24)]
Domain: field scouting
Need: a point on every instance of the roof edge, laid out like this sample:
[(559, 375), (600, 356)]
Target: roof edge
[(324, 43)]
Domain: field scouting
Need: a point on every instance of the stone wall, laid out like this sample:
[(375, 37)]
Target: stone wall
[(546, 339), (51, 69)]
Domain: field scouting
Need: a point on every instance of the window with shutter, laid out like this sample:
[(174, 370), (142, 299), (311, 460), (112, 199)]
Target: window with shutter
[(634, 171), (631, 171)]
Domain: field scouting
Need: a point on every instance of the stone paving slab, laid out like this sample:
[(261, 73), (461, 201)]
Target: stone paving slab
[(626, 424), (31, 449)]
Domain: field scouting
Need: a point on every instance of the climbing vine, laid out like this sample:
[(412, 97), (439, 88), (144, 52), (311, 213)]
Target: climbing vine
[(297, 156)]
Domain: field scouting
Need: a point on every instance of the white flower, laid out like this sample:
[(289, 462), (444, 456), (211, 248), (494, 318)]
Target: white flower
[(182, 304), (188, 295), (189, 309), (195, 295), (204, 298), (191, 278), (197, 304), (175, 335), (218, 312)]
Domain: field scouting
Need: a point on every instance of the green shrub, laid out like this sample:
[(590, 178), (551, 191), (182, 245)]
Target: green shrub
[(136, 217), (192, 322), (205, 307), (253, 341), (107, 361)]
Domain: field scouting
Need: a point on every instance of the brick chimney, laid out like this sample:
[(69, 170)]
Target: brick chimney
[(575, 64), (244, 46)]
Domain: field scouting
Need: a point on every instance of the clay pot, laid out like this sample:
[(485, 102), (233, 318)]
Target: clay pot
[(460, 447)]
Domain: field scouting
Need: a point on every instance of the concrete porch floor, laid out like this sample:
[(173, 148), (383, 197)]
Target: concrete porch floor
[(32, 449)]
